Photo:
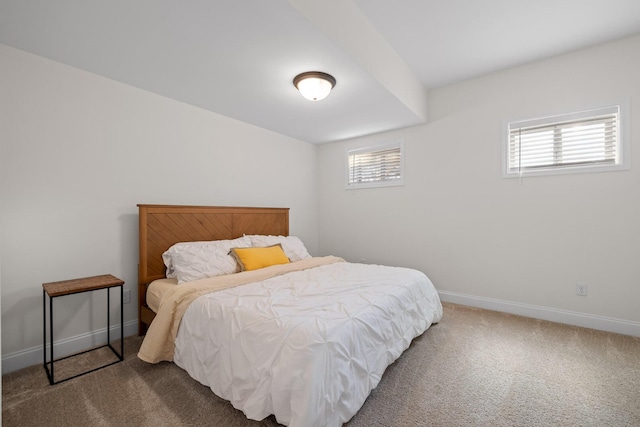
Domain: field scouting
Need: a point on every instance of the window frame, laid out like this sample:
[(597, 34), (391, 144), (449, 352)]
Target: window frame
[(372, 149), (623, 154)]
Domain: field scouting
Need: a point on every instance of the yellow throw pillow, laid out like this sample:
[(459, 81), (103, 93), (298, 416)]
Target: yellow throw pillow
[(255, 258)]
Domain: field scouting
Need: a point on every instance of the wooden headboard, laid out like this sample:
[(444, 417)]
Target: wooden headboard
[(161, 226)]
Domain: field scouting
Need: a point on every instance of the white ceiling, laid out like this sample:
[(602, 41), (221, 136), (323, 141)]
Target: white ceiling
[(238, 58)]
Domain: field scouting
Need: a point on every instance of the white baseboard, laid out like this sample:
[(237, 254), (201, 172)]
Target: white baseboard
[(33, 356), (545, 313)]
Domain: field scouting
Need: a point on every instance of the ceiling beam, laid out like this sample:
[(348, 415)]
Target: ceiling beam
[(345, 24)]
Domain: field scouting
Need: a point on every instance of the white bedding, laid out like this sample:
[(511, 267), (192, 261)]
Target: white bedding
[(308, 346)]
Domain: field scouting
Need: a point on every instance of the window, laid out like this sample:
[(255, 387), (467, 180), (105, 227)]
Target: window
[(379, 166), (578, 142)]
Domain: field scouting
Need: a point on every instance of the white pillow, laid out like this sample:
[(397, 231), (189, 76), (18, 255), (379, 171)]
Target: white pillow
[(292, 246), (197, 260), (175, 249)]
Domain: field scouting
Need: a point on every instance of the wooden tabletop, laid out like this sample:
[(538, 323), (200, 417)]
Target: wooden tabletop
[(66, 287)]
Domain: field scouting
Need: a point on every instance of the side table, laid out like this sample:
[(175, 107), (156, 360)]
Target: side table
[(76, 286)]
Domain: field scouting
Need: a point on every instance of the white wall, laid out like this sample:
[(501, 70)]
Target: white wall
[(78, 152), (502, 243)]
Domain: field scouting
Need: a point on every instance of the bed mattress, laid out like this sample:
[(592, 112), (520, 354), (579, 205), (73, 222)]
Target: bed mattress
[(307, 346), (157, 290)]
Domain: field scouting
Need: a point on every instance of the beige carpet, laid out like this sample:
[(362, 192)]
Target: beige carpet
[(475, 368)]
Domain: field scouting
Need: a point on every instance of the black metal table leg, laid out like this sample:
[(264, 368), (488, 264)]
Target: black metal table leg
[(51, 380)]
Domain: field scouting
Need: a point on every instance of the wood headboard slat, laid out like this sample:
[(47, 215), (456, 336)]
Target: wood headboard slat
[(161, 226)]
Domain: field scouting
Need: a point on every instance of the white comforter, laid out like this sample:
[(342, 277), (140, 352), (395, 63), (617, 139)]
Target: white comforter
[(308, 346)]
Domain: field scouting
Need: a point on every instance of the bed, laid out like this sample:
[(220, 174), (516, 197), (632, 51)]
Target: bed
[(305, 340)]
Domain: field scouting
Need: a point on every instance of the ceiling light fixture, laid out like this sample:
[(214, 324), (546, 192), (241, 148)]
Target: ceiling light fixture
[(314, 85)]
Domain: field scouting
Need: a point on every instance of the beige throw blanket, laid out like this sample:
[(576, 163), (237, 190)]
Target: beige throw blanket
[(158, 344)]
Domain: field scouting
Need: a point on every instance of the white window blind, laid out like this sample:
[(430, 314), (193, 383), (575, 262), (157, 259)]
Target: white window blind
[(589, 139), (375, 166)]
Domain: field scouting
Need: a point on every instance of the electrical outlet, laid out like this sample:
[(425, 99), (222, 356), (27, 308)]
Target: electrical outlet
[(581, 289), (126, 296)]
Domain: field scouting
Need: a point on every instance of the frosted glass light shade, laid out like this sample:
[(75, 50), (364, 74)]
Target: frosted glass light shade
[(314, 85)]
